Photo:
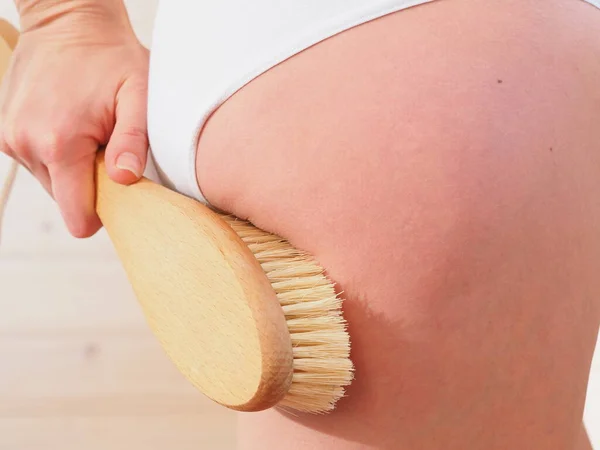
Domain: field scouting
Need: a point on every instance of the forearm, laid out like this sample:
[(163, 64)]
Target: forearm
[(81, 14)]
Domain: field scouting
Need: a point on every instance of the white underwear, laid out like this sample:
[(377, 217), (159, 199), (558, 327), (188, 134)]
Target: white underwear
[(203, 51)]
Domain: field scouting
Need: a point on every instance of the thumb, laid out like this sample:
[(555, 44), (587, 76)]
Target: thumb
[(127, 150)]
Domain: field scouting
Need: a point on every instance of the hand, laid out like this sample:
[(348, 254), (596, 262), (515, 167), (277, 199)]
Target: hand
[(75, 83)]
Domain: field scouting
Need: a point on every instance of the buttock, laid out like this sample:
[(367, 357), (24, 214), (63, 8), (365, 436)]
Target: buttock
[(445, 172), (203, 54), (361, 102)]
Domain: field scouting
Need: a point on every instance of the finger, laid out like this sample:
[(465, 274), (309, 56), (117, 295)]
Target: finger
[(40, 172), (42, 175), (73, 188), (7, 150), (127, 149), (15, 141)]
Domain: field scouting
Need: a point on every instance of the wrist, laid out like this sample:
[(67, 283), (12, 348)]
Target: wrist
[(72, 16)]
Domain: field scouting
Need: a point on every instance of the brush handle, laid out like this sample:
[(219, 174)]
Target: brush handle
[(203, 292)]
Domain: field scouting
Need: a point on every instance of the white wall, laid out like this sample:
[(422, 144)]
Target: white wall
[(142, 13)]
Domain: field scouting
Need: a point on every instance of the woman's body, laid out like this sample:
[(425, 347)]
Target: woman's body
[(451, 185), (442, 163)]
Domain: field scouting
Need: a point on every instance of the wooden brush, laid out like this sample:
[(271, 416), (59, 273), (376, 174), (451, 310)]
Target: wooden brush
[(249, 320)]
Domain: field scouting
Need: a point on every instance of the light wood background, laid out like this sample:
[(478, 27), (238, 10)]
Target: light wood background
[(79, 368)]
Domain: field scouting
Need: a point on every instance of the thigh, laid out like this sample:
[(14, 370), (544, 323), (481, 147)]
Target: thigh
[(443, 164)]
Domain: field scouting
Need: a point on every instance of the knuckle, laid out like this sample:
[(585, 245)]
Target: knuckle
[(52, 146), (15, 137), (27, 141), (135, 132), (134, 138), (15, 141)]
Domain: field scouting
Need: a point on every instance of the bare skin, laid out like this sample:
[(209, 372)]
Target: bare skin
[(443, 164)]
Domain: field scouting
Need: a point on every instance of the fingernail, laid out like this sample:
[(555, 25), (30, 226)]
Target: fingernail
[(130, 162)]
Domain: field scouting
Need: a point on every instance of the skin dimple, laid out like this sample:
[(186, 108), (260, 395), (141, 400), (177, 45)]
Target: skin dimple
[(439, 201)]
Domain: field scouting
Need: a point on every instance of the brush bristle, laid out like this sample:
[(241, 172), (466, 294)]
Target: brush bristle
[(313, 311)]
